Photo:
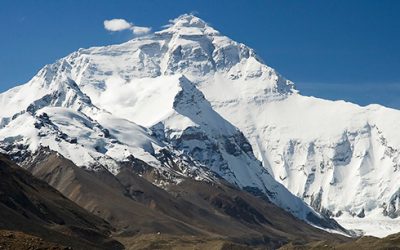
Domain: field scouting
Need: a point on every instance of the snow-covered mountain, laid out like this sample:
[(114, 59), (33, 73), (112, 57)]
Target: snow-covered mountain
[(218, 109)]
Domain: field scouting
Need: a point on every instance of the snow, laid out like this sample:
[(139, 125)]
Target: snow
[(91, 146), (310, 145), (347, 152), (187, 24), (206, 97), (139, 100), (378, 225)]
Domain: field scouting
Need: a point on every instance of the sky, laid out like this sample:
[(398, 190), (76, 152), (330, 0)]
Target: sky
[(335, 50)]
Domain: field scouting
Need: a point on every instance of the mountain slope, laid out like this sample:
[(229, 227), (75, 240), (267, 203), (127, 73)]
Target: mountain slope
[(32, 206), (208, 210), (341, 158)]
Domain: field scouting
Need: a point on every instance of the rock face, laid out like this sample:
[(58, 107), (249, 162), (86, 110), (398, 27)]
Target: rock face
[(191, 102)]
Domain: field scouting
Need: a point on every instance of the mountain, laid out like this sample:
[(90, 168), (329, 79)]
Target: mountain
[(129, 208), (191, 103), (61, 108), (30, 206), (191, 209)]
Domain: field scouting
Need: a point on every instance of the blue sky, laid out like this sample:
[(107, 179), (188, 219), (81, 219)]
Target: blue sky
[(332, 49)]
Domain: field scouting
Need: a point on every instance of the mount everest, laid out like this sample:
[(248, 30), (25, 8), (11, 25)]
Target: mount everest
[(191, 102)]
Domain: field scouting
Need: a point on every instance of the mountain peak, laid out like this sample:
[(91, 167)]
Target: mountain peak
[(189, 20), (188, 24)]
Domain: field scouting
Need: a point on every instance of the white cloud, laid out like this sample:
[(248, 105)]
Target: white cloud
[(117, 25), (122, 24), (137, 30)]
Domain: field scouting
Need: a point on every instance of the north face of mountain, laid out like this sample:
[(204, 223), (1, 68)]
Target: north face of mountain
[(189, 95), (187, 129)]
